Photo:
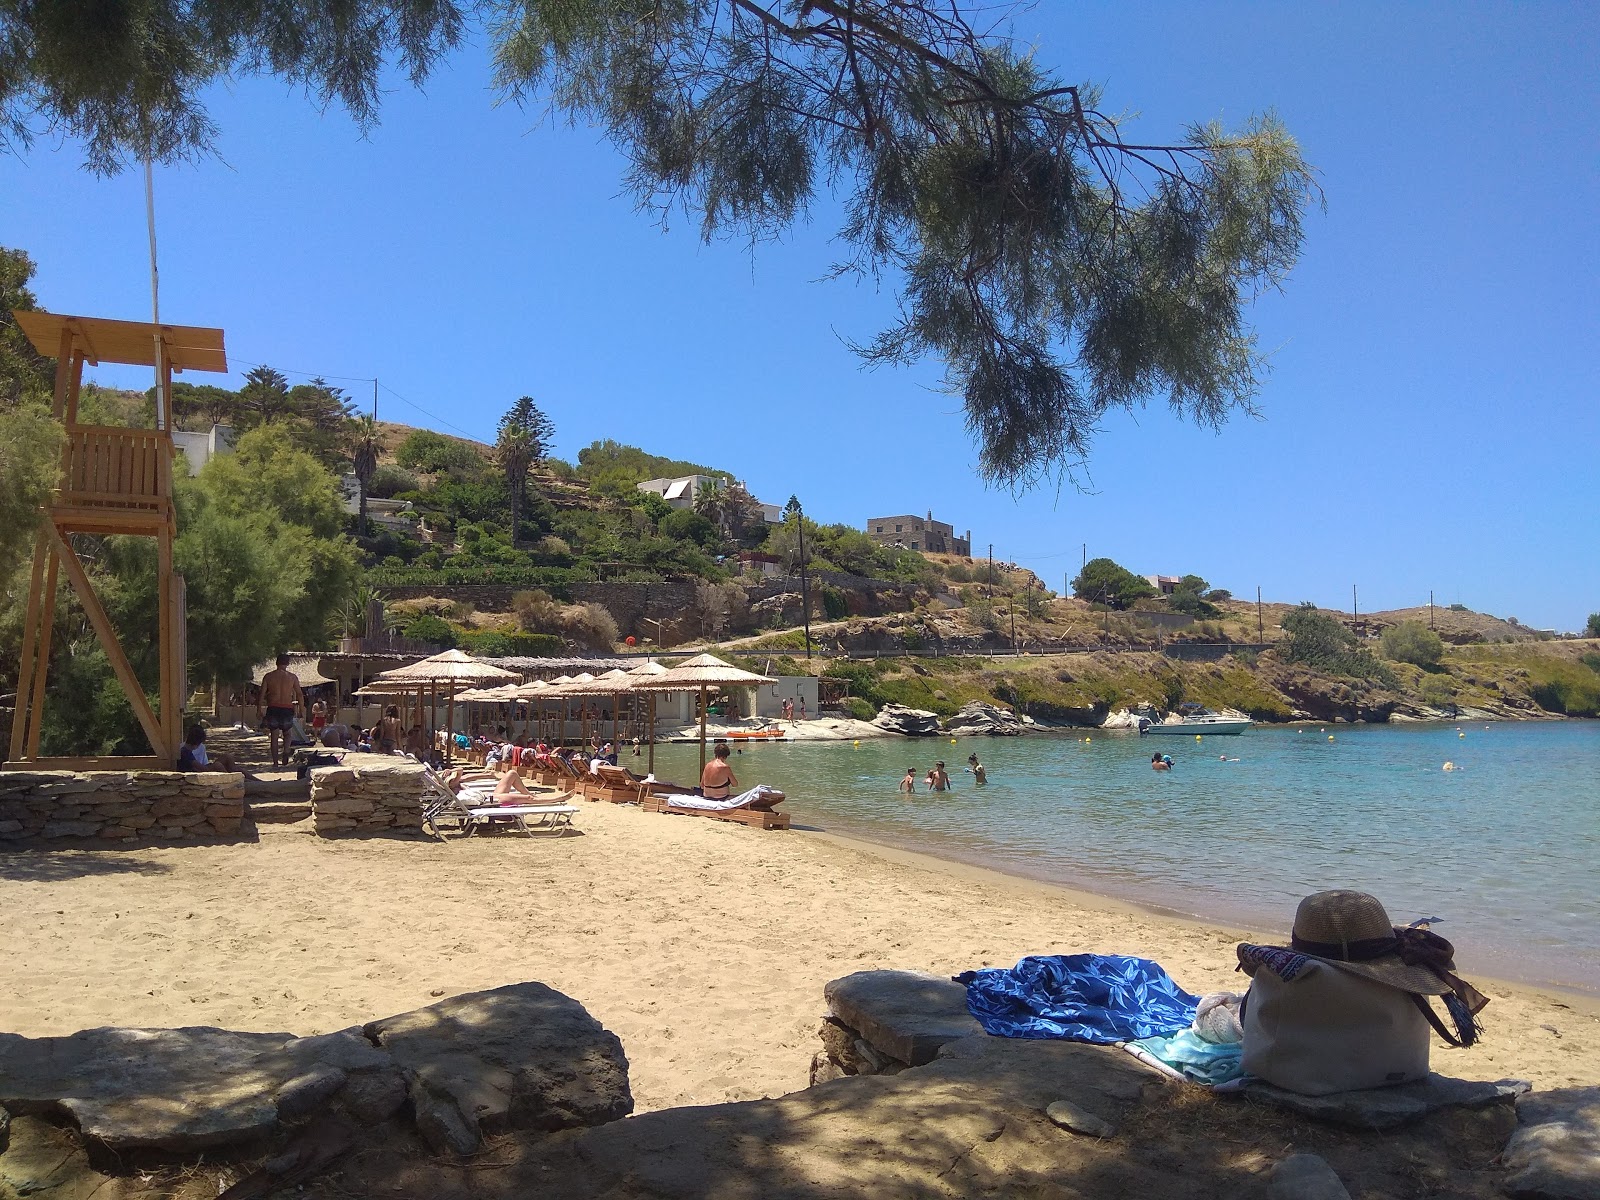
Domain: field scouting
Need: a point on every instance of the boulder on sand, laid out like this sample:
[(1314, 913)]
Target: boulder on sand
[(912, 722), (977, 719), (518, 1057)]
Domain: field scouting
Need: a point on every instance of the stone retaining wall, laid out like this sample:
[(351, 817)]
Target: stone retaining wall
[(367, 794), (119, 805)]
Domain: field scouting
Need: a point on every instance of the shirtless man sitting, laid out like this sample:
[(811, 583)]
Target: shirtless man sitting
[(275, 707)]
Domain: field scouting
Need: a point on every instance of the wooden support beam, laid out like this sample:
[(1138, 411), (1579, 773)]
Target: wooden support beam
[(58, 406), (108, 639), (30, 632), (74, 386), (47, 625), (167, 689)]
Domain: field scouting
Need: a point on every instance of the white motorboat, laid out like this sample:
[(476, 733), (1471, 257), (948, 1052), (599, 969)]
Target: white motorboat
[(1191, 719)]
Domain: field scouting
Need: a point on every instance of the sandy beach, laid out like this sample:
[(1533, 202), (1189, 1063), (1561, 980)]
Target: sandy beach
[(705, 946)]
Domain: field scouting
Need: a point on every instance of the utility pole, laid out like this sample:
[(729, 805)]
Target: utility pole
[(805, 586), (988, 591), (374, 399), (1261, 629), (1430, 608), (1013, 601), (1355, 608)]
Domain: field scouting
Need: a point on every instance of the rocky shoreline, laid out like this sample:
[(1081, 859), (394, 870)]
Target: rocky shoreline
[(908, 1097)]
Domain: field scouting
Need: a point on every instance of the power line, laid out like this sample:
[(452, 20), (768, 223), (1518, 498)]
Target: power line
[(426, 413), (307, 374), (362, 379)]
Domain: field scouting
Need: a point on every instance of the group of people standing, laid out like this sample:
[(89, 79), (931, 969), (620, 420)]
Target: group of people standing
[(938, 779)]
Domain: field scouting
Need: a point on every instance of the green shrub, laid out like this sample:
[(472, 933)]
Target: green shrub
[(1592, 661), (859, 708), (433, 630), (1105, 582), (389, 480), (834, 605), (1319, 641), (1413, 642), (1566, 688), (425, 450), (494, 644), (1438, 691)]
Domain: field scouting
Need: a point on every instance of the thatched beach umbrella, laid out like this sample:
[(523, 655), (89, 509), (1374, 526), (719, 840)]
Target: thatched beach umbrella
[(649, 669), (452, 671), (703, 672)]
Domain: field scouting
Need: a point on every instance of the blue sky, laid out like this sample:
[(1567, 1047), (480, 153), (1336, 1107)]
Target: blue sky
[(1430, 420)]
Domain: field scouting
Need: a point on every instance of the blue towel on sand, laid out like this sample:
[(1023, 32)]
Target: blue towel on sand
[(1100, 998)]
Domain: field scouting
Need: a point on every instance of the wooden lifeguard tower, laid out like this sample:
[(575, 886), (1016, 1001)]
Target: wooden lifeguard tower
[(114, 480)]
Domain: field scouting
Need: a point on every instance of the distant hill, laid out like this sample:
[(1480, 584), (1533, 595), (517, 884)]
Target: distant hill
[(1459, 626)]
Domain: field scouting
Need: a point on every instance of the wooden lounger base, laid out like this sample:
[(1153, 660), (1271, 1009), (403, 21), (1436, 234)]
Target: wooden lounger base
[(755, 818)]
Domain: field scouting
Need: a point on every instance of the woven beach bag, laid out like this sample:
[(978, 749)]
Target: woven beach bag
[(1327, 1030)]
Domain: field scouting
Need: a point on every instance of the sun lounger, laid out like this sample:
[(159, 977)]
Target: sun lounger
[(526, 818), (754, 808), (613, 784), (443, 806)]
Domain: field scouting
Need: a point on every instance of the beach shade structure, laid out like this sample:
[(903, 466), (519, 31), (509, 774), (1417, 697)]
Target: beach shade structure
[(449, 672), (649, 669), (701, 673)]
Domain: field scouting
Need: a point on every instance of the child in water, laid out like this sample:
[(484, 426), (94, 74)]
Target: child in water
[(908, 785), (1160, 762)]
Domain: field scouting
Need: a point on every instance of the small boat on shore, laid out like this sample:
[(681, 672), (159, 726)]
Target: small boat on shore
[(1192, 719)]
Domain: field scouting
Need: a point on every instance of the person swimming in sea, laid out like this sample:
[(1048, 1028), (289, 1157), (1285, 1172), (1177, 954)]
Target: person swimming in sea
[(1160, 762), (979, 775), (908, 785)]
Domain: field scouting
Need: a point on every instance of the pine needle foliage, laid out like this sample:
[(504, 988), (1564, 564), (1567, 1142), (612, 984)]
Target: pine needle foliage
[(1057, 267)]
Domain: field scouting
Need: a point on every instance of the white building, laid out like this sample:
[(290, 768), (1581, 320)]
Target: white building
[(682, 492), (201, 448)]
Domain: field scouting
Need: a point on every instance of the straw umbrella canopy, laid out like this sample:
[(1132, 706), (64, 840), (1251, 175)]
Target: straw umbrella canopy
[(648, 669), (451, 668), (702, 672), (452, 671)]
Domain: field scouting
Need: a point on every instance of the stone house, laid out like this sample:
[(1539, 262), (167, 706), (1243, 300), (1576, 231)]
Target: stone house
[(922, 534)]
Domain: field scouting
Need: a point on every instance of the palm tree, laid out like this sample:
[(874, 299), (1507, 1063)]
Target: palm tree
[(514, 450), (365, 461)]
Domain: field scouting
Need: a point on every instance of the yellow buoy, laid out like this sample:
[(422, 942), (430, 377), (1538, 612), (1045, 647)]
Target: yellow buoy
[(1461, 735), (1197, 737), (1330, 737), (952, 741)]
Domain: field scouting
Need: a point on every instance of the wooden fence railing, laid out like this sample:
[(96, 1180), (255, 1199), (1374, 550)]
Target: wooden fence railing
[(111, 467)]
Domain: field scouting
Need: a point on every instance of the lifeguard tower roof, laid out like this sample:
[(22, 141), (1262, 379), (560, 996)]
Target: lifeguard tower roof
[(189, 347)]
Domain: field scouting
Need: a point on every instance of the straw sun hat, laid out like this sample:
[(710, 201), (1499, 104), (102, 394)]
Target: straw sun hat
[(1350, 930)]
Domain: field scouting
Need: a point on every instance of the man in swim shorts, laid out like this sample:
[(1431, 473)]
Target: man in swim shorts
[(275, 706)]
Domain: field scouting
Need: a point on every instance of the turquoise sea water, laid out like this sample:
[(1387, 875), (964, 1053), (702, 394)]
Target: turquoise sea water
[(1506, 850)]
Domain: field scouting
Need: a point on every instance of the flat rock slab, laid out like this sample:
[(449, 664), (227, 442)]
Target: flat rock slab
[(1386, 1108), (522, 1056), (906, 1014), (1305, 1177), (969, 1124), (1555, 1153), (174, 1090)]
